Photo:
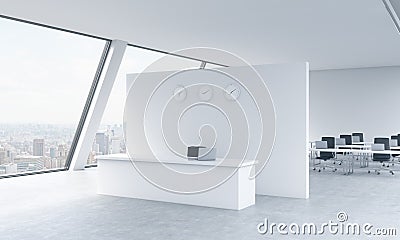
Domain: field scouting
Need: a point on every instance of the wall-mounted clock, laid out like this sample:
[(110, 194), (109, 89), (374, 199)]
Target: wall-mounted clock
[(232, 92), (205, 93), (180, 93)]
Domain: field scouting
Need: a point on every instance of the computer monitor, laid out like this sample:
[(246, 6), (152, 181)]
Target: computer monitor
[(193, 152)]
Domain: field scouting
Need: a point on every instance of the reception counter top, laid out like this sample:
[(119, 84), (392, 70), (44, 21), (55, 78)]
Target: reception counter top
[(218, 162)]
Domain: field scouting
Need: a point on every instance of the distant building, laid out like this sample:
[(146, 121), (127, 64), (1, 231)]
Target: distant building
[(115, 146), (3, 155), (8, 168), (102, 140), (96, 148), (53, 163), (38, 147), (29, 163), (12, 156), (62, 150), (92, 158), (53, 152)]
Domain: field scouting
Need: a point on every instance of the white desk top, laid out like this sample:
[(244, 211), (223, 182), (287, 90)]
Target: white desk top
[(362, 143), (354, 143), (352, 151), (218, 162), (353, 146)]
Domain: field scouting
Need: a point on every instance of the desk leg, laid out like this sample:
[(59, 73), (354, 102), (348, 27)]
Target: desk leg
[(349, 164), (362, 160), (352, 165), (345, 163)]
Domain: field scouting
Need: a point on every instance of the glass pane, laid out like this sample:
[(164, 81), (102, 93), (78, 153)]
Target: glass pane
[(109, 138), (45, 77)]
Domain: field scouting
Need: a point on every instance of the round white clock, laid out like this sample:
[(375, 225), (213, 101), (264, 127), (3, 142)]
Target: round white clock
[(180, 93), (205, 93), (232, 92)]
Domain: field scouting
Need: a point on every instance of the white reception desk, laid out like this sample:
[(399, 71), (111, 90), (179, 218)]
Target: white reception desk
[(118, 177)]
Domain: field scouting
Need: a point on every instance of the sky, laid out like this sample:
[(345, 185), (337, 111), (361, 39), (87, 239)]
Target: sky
[(45, 74)]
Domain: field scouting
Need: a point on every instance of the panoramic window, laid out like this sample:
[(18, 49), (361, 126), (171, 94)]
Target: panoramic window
[(45, 78), (109, 137)]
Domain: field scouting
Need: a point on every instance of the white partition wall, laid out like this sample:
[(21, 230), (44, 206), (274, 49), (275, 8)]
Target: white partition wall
[(355, 100), (286, 174)]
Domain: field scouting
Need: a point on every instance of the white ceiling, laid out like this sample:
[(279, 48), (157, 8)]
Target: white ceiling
[(330, 34)]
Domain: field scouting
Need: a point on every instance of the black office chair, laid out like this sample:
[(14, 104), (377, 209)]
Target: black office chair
[(379, 157), (348, 140), (327, 155), (360, 137), (398, 137), (339, 142), (395, 137), (358, 134), (331, 144)]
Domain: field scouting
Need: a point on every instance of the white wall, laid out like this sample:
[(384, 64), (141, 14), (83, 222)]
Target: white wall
[(349, 100), (286, 173), (182, 126)]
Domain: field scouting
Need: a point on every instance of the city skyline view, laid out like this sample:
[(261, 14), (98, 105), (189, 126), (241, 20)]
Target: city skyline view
[(35, 147)]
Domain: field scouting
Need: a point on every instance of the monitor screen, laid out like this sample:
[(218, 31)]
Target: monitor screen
[(193, 151)]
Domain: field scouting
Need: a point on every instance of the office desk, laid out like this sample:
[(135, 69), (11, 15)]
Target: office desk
[(349, 158), (363, 163), (346, 166), (118, 177)]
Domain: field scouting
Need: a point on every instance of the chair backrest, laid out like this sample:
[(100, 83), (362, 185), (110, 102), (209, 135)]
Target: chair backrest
[(394, 139), (355, 139), (386, 146), (330, 141), (347, 139), (321, 145), (340, 141), (360, 135), (393, 142), (384, 141)]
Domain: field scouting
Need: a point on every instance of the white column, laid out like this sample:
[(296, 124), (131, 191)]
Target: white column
[(99, 102)]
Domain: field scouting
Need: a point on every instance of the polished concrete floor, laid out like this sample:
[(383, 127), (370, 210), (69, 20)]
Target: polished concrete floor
[(65, 206)]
